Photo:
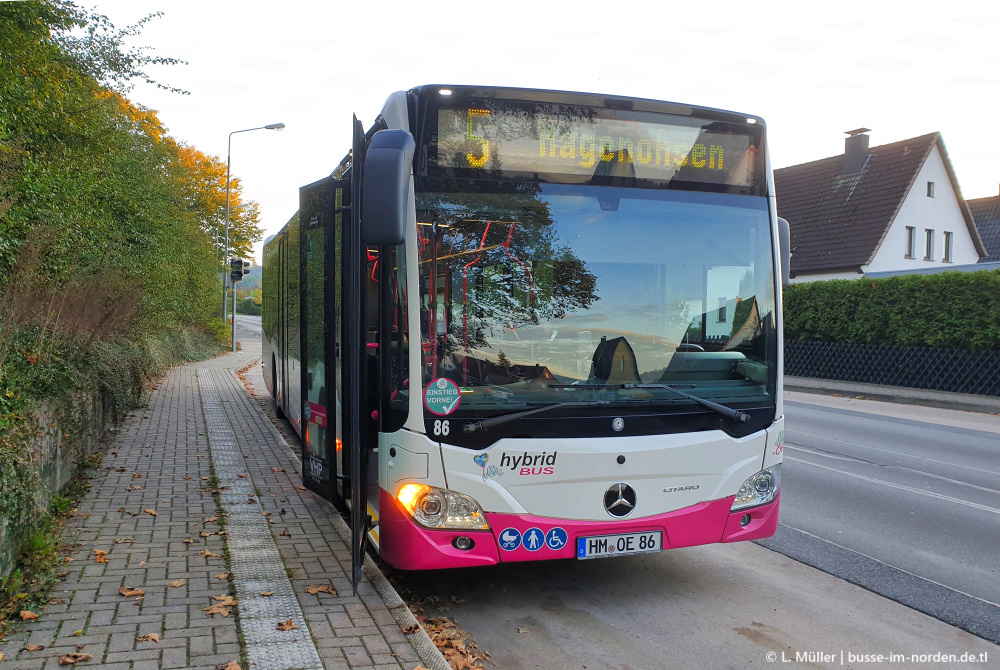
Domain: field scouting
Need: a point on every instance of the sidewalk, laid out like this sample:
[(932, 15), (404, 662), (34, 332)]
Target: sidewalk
[(198, 504), (896, 394)]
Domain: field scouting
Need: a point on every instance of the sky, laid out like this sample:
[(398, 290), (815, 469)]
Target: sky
[(812, 70)]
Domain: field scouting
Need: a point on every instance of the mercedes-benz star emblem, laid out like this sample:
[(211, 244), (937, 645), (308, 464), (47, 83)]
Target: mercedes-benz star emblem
[(619, 500), (618, 424)]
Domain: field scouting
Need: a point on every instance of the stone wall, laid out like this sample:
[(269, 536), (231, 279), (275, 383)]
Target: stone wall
[(58, 448)]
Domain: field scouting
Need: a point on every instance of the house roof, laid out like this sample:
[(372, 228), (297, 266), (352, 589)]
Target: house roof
[(986, 212), (838, 221)]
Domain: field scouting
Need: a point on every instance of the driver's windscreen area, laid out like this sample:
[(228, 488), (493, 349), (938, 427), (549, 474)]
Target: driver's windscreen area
[(554, 293)]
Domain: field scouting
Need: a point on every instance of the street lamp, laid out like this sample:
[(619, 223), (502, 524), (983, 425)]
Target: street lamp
[(225, 256)]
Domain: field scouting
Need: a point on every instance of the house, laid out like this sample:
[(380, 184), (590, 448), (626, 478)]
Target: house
[(986, 212), (890, 208)]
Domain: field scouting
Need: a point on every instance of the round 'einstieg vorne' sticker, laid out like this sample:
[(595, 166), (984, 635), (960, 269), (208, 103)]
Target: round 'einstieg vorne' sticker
[(442, 396)]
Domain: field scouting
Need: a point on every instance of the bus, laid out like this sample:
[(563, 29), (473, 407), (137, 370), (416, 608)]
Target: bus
[(518, 325)]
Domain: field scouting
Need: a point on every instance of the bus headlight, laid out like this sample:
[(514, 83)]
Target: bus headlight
[(432, 507), (759, 489)]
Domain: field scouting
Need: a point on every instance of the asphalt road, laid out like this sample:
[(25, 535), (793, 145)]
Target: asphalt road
[(717, 606), (902, 500)]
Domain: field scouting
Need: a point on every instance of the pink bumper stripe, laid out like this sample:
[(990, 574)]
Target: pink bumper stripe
[(407, 546)]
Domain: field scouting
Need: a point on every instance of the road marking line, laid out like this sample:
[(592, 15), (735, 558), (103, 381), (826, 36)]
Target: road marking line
[(872, 558), (889, 451), (845, 457), (930, 494)]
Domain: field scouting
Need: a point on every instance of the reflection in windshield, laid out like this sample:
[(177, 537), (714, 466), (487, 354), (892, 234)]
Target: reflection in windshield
[(526, 294)]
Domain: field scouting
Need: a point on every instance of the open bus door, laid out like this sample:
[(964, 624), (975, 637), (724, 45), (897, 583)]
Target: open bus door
[(355, 360), (334, 449)]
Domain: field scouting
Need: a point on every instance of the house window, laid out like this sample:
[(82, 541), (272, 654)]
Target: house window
[(930, 189), (722, 310), (947, 248), (911, 242), (928, 244)]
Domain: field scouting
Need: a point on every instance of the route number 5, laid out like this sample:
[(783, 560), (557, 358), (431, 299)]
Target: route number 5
[(477, 161)]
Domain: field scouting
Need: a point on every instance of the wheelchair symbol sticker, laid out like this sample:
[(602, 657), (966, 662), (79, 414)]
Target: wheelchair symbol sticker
[(510, 539), (556, 539)]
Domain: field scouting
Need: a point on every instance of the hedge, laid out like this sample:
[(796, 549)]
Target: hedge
[(960, 310)]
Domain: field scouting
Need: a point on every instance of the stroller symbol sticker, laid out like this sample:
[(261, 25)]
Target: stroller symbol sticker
[(510, 539)]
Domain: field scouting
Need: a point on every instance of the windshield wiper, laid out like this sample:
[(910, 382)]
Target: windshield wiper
[(499, 420), (728, 412)]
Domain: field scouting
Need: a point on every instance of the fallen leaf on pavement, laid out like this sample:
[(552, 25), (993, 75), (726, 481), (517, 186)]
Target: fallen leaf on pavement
[(210, 519), (267, 593), (313, 590), (277, 469), (288, 625), (80, 647), (34, 647), (266, 513), (228, 601), (127, 540), (151, 512), (217, 609), (128, 591), (28, 615), (179, 582), (522, 630), (301, 488), (285, 533), (204, 534), (224, 575), (70, 659), (232, 665), (151, 637), (188, 540), (100, 552), (242, 476), (207, 554), (142, 564), (412, 628), (456, 600), (101, 558)]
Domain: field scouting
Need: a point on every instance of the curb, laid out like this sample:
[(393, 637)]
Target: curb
[(430, 656), (896, 394)]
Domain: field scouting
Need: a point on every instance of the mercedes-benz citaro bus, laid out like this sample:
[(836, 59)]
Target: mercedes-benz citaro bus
[(519, 325)]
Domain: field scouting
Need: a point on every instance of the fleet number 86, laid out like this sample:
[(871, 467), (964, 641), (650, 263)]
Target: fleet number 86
[(441, 427)]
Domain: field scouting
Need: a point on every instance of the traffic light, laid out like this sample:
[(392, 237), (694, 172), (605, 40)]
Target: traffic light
[(246, 268), (236, 269)]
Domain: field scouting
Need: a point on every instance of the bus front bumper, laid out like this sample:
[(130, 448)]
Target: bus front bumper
[(407, 546)]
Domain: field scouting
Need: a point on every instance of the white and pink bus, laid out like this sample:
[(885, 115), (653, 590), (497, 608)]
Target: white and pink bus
[(520, 325)]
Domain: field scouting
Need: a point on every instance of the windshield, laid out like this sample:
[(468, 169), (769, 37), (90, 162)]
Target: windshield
[(547, 293)]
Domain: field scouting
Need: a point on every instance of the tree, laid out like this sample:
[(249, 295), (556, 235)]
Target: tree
[(202, 180)]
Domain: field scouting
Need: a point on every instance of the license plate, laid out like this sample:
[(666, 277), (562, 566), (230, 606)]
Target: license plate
[(624, 544)]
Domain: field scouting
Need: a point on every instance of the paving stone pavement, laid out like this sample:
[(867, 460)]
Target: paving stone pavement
[(153, 511)]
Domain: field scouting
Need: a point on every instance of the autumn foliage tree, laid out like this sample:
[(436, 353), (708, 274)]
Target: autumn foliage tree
[(93, 188)]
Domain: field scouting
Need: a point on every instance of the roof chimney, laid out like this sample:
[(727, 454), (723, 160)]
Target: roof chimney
[(855, 150)]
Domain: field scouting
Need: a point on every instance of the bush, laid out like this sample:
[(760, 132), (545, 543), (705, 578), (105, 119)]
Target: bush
[(960, 310)]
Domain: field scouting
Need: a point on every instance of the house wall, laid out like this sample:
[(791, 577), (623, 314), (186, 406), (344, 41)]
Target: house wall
[(942, 213), (824, 276)]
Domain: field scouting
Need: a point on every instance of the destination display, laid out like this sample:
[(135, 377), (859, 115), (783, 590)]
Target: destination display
[(584, 144)]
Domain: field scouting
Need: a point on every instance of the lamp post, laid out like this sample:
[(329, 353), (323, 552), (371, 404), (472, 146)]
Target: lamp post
[(225, 256)]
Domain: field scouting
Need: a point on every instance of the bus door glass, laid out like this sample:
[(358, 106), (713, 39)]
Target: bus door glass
[(319, 440)]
